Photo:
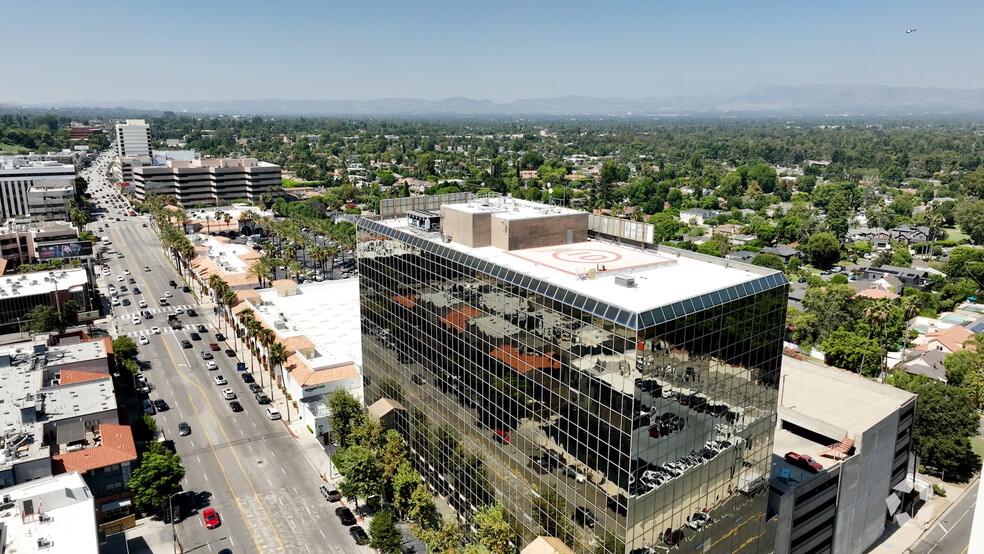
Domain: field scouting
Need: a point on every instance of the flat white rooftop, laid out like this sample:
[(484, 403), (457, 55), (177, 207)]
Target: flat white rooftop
[(837, 397), (225, 255), (509, 208), (27, 284), (53, 515), (326, 312), (660, 279)]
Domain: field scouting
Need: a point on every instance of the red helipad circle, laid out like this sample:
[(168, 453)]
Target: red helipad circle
[(587, 256)]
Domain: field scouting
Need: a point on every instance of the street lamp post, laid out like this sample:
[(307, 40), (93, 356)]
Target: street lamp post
[(174, 533)]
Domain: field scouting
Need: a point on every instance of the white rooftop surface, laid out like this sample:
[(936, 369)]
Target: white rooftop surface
[(837, 397), (69, 511), (660, 279), (225, 255), (510, 208), (70, 353), (326, 312), (34, 283), (23, 381)]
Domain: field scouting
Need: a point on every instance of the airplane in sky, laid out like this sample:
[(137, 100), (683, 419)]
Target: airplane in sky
[(907, 31)]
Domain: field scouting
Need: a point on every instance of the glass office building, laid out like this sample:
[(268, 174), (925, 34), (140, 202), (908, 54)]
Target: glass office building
[(613, 397)]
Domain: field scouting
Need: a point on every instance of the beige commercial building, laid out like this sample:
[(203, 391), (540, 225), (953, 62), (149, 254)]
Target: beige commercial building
[(208, 181)]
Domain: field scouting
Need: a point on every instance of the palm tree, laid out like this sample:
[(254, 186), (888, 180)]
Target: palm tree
[(875, 313), (266, 337), (244, 316), (332, 254), (296, 268), (229, 300), (935, 221), (276, 356), (208, 218), (253, 328)]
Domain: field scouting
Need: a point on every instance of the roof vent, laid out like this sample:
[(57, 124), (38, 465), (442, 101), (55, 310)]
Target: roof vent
[(627, 282)]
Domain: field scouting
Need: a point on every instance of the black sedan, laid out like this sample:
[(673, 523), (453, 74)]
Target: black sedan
[(195, 336), (359, 534), (219, 336), (345, 516), (184, 429), (186, 343), (235, 406), (161, 405), (230, 352), (247, 378)]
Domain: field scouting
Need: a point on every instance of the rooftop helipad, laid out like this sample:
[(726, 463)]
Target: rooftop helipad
[(580, 258)]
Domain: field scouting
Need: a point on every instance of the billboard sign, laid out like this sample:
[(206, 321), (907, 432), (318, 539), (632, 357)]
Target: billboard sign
[(89, 316), (65, 250)]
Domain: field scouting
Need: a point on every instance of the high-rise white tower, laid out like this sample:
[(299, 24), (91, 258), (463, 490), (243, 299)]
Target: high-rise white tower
[(133, 138)]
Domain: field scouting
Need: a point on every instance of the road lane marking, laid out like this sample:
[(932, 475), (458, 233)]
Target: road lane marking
[(216, 455)]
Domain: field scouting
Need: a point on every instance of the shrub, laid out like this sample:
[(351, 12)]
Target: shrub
[(938, 490)]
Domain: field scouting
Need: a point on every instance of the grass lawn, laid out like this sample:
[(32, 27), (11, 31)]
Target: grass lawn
[(7, 148), (952, 233), (977, 445)]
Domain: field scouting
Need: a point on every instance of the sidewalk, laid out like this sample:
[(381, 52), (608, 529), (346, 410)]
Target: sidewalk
[(311, 447), (900, 539)]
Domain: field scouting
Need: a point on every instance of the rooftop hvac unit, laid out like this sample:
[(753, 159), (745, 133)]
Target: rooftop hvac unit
[(627, 282)]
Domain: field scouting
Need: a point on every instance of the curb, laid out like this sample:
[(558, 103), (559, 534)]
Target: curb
[(932, 522), (289, 430)]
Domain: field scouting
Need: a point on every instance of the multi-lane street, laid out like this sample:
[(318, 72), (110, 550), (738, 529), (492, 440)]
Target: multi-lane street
[(243, 464)]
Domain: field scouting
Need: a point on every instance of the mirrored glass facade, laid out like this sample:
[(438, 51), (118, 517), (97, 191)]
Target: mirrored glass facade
[(608, 428)]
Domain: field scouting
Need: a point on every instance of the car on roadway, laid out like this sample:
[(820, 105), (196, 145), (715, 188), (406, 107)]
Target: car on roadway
[(125, 301), (253, 387), (142, 303), (168, 294), (192, 312), (201, 328), (206, 355), (230, 352), (115, 301), (345, 516), (247, 378), (155, 330), (220, 380), (359, 534), (214, 347), (211, 366), (146, 267), (228, 394), (178, 311), (219, 336), (235, 406), (126, 272), (186, 343), (144, 339), (161, 405), (136, 320), (211, 518), (272, 412), (195, 336), (120, 278), (184, 429), (172, 283), (332, 495), (162, 300)]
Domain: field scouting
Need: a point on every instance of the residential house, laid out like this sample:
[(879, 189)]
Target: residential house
[(697, 216), (881, 238), (928, 363), (740, 256), (909, 277), (784, 251), (944, 340)]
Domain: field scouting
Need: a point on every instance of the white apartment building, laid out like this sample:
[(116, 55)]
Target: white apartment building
[(133, 138), (40, 189), (208, 181)]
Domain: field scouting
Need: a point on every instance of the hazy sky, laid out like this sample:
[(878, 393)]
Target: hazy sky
[(501, 50)]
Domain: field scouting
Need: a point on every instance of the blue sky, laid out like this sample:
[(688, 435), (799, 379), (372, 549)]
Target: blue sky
[(500, 51)]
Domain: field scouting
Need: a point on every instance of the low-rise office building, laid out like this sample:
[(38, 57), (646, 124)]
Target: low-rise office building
[(39, 189), (21, 293), (318, 324), (52, 515), (23, 241), (208, 181), (840, 459), (54, 398)]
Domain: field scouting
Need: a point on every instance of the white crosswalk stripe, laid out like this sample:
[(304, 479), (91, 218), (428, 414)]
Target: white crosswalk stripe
[(165, 309)]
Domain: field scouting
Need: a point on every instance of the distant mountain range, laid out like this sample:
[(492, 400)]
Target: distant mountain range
[(757, 101)]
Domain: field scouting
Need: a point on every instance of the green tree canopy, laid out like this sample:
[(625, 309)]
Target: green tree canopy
[(970, 219), (383, 534), (493, 531), (769, 260), (345, 412), (156, 479), (824, 249)]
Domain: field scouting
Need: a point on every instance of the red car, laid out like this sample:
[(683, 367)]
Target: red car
[(502, 436), (211, 518), (214, 347), (803, 461)]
